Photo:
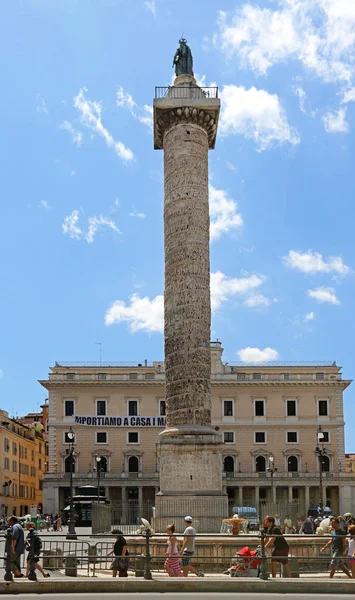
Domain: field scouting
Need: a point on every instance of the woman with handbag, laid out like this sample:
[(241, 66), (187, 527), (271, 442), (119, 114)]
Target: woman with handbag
[(121, 554)]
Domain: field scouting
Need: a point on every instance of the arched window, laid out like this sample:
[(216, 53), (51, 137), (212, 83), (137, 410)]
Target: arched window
[(133, 464), (325, 464), (228, 464), (70, 460), (260, 464), (102, 464), (292, 464)]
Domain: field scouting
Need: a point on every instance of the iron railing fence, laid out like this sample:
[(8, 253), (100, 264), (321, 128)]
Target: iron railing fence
[(185, 91), (214, 554)]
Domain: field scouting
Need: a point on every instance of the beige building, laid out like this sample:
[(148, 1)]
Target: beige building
[(350, 463), (262, 412)]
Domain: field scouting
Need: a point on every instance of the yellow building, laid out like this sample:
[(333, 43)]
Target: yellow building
[(350, 463), (23, 462)]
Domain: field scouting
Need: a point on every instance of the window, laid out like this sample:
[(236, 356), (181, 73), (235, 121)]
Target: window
[(322, 408), (14, 448), (260, 464), (22, 491), (326, 438), (291, 408), (14, 489), (24, 470), (40, 464), (101, 437), (162, 408), (7, 464), (228, 464), (325, 464), (149, 376), (101, 376), (228, 437), (228, 408), (132, 375), (101, 408), (133, 464), (241, 376), (14, 466), (262, 493), (40, 448), (6, 445), (67, 440), (292, 464), (69, 464), (33, 471), (41, 484), (292, 437), (286, 376), (70, 375), (69, 408), (260, 437), (133, 437), (33, 455), (259, 410), (132, 408), (256, 375), (319, 376)]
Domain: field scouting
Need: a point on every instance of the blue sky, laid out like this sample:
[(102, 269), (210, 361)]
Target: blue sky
[(81, 231)]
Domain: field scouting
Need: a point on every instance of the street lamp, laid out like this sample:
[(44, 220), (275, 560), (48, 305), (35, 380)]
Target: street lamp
[(71, 535), (321, 453), (99, 470), (272, 469)]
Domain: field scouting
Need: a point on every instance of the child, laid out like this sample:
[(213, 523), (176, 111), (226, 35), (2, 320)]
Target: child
[(172, 565), (37, 549), (120, 551)]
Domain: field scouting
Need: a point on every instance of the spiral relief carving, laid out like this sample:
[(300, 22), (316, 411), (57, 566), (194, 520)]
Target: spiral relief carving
[(186, 114)]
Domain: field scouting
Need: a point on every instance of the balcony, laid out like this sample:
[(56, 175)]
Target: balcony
[(281, 476), (92, 476)]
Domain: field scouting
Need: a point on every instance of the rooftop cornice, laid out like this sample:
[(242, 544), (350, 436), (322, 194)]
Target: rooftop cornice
[(50, 384)]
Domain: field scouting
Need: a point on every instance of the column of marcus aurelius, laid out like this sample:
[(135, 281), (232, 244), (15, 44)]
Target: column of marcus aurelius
[(185, 127)]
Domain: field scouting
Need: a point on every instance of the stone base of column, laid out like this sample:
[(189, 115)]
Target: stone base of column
[(190, 479)]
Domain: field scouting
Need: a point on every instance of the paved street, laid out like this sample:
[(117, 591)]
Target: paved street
[(198, 596)]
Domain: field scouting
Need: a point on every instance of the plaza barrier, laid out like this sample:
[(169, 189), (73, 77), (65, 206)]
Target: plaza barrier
[(214, 554)]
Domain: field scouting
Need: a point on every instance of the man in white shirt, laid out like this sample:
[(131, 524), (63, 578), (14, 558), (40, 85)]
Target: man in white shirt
[(188, 549)]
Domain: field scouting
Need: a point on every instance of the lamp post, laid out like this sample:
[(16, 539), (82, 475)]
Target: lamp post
[(98, 470), (71, 535), (272, 469), (321, 452)]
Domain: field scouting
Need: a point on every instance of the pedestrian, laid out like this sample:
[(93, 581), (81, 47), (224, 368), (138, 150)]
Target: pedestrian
[(281, 547), (288, 528), (299, 523), (121, 554), (342, 525), (307, 527), (188, 549), (172, 564), (351, 549), (59, 523), (37, 547), (339, 550), (277, 521), (17, 545)]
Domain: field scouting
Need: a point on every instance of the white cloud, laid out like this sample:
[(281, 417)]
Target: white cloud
[(309, 317), (1, 373), (138, 215), (44, 204), (349, 96), (302, 97), (150, 5), (230, 166), (90, 116), (324, 294), (257, 300), (313, 262), (318, 33), (41, 105), (95, 223), (256, 355), (257, 115), (145, 314), (73, 173), (335, 121), (222, 287), (144, 114), (223, 213), (76, 135), (70, 225), (142, 314)]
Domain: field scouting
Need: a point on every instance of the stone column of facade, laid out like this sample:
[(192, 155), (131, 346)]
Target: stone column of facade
[(306, 498), (290, 495), (240, 496), (185, 125)]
